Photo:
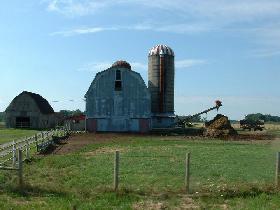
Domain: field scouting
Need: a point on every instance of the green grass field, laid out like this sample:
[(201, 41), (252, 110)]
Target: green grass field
[(7, 135), (224, 175)]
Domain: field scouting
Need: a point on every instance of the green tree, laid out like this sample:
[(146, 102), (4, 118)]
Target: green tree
[(264, 117), (70, 113), (2, 116)]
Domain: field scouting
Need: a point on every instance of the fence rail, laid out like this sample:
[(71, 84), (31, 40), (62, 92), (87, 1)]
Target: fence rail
[(8, 151)]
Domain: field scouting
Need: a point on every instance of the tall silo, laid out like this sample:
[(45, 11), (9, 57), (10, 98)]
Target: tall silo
[(161, 85)]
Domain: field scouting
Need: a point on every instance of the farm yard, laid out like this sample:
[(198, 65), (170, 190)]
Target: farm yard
[(78, 174)]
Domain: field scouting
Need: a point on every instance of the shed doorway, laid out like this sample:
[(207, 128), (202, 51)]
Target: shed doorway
[(23, 122)]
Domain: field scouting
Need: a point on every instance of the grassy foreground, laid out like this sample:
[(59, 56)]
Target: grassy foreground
[(7, 135), (224, 175)]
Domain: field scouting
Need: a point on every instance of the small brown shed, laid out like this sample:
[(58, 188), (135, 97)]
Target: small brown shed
[(30, 110)]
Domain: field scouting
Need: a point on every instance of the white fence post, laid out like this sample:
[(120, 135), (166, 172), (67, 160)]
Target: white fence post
[(27, 149), (36, 142), (14, 153), (116, 170), (277, 170), (187, 173), (20, 169)]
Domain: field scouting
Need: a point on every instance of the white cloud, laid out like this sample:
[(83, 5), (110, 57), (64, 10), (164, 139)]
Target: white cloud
[(172, 28), (266, 37), (138, 66), (82, 30), (265, 53), (188, 16), (95, 66), (100, 66), (238, 10), (76, 8), (187, 63)]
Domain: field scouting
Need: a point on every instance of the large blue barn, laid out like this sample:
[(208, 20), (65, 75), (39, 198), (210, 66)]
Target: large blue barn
[(118, 100)]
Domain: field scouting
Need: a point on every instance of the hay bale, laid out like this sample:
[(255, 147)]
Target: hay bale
[(219, 126)]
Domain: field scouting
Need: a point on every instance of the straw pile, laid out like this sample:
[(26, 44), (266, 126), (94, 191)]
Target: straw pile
[(219, 126)]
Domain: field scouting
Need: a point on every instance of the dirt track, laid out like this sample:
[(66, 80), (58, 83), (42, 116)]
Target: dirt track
[(77, 141)]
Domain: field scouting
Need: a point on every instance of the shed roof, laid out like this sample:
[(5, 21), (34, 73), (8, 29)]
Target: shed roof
[(41, 102)]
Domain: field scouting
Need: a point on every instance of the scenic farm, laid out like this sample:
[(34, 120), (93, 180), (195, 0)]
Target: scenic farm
[(141, 105)]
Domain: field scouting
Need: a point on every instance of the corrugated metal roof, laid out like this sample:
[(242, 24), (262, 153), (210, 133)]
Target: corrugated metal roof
[(161, 50)]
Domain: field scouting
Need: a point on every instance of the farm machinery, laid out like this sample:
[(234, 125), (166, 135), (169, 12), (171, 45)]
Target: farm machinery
[(252, 125), (186, 121)]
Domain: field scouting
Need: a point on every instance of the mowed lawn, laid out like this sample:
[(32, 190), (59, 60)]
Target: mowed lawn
[(7, 135), (224, 175)]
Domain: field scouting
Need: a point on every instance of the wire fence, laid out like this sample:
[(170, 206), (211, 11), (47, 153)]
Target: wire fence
[(162, 173)]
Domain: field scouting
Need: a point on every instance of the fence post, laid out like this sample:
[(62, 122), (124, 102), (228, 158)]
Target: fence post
[(36, 142), (20, 169), (14, 153), (116, 170), (277, 170), (187, 175), (27, 149)]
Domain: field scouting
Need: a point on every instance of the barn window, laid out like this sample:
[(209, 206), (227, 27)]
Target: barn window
[(118, 82), (118, 85), (118, 75)]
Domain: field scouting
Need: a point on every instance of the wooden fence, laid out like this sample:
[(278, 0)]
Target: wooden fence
[(13, 154), (8, 152)]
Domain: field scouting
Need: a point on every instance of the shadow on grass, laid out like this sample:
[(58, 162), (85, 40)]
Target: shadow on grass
[(242, 192), (126, 191), (58, 142), (230, 193), (34, 191)]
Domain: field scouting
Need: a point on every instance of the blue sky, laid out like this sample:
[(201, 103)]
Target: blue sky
[(227, 50)]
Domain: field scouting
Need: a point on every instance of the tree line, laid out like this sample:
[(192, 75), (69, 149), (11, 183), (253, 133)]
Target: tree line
[(264, 117), (65, 113), (254, 117), (2, 116), (71, 113)]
